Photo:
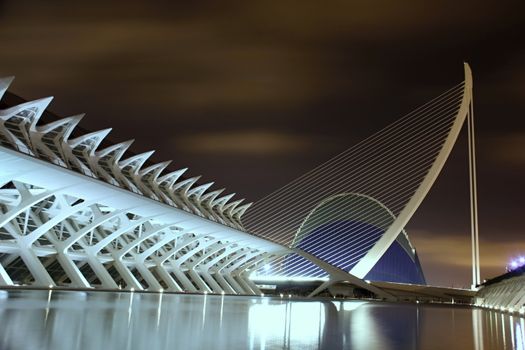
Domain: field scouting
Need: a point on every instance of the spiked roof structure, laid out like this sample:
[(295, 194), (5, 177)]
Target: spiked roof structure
[(49, 138)]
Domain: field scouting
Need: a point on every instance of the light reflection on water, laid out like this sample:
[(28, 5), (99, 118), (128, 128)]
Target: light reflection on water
[(102, 320)]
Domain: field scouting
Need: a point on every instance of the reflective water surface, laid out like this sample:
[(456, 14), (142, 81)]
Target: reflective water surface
[(102, 320)]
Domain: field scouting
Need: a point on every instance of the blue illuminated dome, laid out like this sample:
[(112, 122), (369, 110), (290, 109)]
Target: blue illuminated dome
[(343, 229)]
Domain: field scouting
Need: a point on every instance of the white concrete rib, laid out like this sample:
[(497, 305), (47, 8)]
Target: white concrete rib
[(81, 216)]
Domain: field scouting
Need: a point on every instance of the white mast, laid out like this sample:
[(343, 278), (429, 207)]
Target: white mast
[(476, 279)]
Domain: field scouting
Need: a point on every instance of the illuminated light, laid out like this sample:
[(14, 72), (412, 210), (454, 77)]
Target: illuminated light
[(262, 294), (350, 305), (281, 295), (205, 292), (367, 281), (161, 290), (303, 323), (287, 279), (132, 289), (222, 292), (516, 263), (289, 295), (50, 286), (337, 305)]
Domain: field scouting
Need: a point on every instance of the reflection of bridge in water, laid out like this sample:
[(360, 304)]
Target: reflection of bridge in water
[(80, 212), (125, 320)]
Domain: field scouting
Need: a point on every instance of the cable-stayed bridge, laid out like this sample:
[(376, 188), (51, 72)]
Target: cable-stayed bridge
[(78, 211)]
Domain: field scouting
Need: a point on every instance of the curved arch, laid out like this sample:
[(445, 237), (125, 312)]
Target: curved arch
[(372, 257)]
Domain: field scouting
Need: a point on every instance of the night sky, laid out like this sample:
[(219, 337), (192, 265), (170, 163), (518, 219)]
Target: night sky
[(252, 94)]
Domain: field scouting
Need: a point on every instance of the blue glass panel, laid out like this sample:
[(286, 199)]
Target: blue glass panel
[(397, 266), (341, 243)]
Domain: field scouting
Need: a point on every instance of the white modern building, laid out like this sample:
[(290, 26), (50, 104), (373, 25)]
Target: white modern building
[(74, 212), (78, 211)]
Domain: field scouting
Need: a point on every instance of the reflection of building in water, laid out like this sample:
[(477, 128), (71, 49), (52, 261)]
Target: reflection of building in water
[(57, 320)]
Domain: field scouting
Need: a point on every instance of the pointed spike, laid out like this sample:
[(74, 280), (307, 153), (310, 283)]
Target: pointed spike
[(199, 190), (40, 104), (239, 211), (222, 201), (210, 196), (4, 84), (99, 135), (43, 103), (120, 147), (185, 184), (171, 177), (70, 121), (158, 167), (75, 121), (232, 205), (141, 158)]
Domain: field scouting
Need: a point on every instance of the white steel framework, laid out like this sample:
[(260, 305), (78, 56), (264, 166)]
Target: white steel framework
[(74, 212), (76, 215)]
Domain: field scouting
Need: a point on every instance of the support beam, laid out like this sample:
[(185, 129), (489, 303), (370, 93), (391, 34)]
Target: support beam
[(101, 272), (38, 271), (172, 285), (126, 274), (148, 277), (337, 275), (72, 271), (5, 279), (476, 278)]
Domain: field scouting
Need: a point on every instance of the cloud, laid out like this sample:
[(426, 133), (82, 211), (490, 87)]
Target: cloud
[(445, 255), (244, 142), (507, 149)]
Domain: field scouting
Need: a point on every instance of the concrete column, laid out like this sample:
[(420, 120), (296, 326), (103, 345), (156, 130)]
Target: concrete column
[(211, 282), (186, 283), (244, 285), (5, 280), (249, 282), (225, 286), (42, 278), (72, 271), (148, 276), (234, 284), (101, 272), (126, 274), (172, 285), (198, 280)]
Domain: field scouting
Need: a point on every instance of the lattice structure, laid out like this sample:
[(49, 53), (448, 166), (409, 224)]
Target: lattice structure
[(77, 214)]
